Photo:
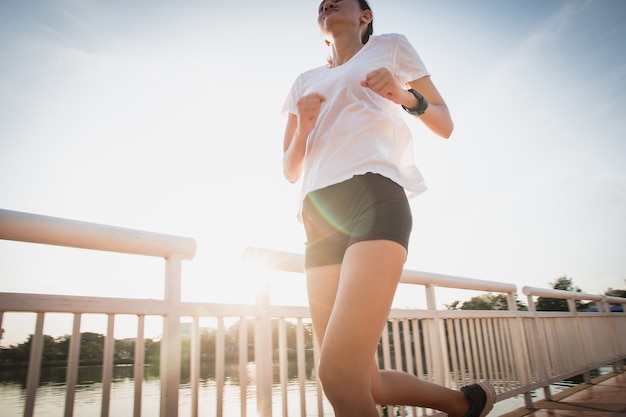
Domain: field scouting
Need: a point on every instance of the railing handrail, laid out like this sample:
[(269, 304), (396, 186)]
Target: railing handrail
[(291, 262), (571, 295), (35, 228)]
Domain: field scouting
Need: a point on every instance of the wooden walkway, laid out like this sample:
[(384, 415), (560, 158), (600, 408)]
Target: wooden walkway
[(604, 397)]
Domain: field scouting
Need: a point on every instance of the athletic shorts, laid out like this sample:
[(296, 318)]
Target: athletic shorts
[(365, 207)]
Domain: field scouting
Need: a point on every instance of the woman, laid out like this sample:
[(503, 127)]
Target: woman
[(346, 136)]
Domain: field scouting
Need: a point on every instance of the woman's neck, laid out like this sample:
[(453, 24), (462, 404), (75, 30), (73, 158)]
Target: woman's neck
[(344, 48)]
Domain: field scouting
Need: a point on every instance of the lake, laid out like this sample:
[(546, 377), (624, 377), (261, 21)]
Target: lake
[(51, 394)]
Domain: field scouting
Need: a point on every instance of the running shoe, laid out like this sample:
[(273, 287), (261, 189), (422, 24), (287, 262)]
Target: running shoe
[(481, 397)]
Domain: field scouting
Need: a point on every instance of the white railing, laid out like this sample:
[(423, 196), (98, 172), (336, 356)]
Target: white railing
[(34, 228), (519, 351), (573, 343)]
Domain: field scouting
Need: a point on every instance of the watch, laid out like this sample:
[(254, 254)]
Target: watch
[(421, 107)]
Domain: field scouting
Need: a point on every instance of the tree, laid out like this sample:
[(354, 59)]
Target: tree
[(50, 349), (153, 351), (487, 301), (124, 349), (559, 304), (63, 346), (615, 293), (91, 345), (21, 352)]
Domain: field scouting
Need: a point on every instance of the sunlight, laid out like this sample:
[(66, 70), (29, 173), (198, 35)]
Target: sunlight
[(257, 271), (283, 272)]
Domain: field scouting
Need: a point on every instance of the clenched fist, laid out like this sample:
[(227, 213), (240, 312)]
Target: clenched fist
[(383, 83), (308, 110)]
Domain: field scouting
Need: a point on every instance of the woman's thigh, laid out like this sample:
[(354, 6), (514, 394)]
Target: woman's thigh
[(322, 283), (369, 276)]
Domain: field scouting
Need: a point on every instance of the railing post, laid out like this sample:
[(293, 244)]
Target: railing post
[(522, 360), (73, 362), (170, 344), (263, 353), (107, 366), (571, 303), (194, 373), (139, 363), (220, 375), (34, 366), (438, 343)]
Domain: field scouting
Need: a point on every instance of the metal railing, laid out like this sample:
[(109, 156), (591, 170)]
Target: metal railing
[(519, 351), (34, 228)]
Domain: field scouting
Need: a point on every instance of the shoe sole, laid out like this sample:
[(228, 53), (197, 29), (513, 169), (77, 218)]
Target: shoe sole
[(490, 392)]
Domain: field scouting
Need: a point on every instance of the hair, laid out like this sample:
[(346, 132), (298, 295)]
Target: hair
[(370, 28)]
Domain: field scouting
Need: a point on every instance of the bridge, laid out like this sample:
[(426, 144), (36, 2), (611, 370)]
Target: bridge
[(518, 351)]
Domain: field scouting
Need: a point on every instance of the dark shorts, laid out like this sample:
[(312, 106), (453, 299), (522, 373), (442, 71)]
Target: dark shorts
[(365, 207)]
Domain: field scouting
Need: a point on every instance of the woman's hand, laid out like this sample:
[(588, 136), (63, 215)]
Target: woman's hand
[(297, 132), (436, 118), (383, 83), (308, 111)]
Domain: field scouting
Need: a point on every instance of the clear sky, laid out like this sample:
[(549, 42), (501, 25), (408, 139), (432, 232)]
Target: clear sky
[(165, 116)]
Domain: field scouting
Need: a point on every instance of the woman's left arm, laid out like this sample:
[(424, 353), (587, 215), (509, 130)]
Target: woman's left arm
[(436, 117)]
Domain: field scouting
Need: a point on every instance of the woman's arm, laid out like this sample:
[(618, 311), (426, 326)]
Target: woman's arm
[(296, 133), (436, 117), (293, 150)]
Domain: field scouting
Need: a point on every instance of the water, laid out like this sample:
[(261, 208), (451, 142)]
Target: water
[(51, 394)]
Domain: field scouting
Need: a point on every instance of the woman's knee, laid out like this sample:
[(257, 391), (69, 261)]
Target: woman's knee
[(336, 377), (331, 375), (342, 380)]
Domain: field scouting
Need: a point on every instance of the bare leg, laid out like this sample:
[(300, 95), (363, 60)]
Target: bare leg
[(401, 388), (363, 292), (350, 305)]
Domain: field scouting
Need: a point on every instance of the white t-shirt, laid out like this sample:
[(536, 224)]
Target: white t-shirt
[(357, 130)]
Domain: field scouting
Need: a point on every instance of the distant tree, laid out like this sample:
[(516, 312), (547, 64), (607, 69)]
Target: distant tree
[(290, 327), (481, 302), (21, 351), (153, 351), (124, 349), (50, 349), (91, 345), (92, 348), (615, 293), (486, 302), (454, 305), (558, 304), (63, 346)]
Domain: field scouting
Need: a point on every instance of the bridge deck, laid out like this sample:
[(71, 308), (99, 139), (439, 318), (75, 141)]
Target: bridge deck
[(604, 397)]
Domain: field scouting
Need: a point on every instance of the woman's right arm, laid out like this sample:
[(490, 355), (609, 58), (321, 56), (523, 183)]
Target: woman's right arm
[(293, 150), (296, 133)]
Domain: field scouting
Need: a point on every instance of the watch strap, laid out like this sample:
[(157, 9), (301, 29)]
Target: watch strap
[(422, 104)]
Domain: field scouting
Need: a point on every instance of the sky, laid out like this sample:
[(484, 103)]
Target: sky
[(165, 116)]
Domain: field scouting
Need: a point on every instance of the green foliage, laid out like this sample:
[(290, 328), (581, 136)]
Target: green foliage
[(500, 302), (92, 345), (615, 293), (487, 301), (558, 304)]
